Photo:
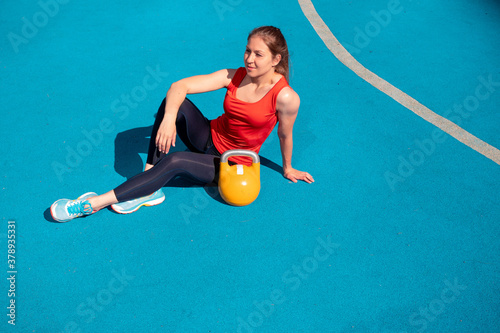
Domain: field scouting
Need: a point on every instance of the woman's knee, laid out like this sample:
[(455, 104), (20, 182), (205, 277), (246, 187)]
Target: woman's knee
[(186, 108)]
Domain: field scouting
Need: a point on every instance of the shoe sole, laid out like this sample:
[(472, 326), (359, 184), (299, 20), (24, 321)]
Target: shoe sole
[(54, 204), (147, 204)]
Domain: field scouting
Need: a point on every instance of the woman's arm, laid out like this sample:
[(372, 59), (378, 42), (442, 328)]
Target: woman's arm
[(288, 104), (165, 138)]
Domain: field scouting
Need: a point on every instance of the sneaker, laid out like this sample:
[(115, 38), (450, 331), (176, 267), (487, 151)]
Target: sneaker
[(131, 206), (64, 210)]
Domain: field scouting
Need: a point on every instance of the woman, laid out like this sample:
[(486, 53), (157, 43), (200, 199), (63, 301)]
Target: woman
[(258, 96)]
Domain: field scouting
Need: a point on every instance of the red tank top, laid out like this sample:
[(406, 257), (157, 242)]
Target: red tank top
[(245, 125)]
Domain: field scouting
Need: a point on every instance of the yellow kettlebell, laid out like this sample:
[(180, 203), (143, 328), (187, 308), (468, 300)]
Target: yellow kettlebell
[(239, 185)]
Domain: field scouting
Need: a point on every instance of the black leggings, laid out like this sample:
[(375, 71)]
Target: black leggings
[(200, 165)]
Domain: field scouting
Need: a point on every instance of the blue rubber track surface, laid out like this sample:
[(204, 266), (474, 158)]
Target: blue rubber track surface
[(399, 233)]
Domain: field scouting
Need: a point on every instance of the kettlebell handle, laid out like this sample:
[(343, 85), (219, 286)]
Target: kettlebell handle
[(240, 152)]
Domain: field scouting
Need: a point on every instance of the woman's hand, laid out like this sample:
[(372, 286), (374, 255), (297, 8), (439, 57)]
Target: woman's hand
[(295, 175), (165, 137)]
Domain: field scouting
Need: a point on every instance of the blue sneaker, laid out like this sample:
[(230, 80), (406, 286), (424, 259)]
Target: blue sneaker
[(131, 206), (64, 210)]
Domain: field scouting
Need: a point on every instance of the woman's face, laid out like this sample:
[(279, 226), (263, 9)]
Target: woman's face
[(258, 58)]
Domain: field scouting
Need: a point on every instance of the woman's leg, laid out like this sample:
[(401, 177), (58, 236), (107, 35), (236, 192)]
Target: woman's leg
[(102, 201), (194, 130), (200, 168), (192, 127), (201, 165)]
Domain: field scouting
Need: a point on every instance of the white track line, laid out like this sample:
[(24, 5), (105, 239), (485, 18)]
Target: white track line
[(402, 98)]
